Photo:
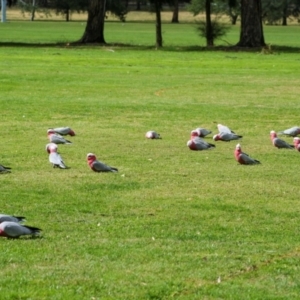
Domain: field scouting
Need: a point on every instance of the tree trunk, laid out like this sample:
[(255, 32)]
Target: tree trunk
[(285, 13), (159, 41), (138, 5), (94, 30), (33, 11), (67, 13), (209, 30), (175, 17), (251, 24)]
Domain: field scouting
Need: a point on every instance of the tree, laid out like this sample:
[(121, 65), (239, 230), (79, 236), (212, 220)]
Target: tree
[(251, 24), (66, 7), (175, 15), (94, 30), (159, 40)]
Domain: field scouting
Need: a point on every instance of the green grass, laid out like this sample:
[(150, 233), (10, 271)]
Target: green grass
[(172, 221)]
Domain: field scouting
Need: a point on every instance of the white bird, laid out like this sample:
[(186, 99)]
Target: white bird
[(15, 230), (223, 128), (4, 169), (201, 132), (294, 131), (16, 219), (64, 131), (152, 135), (56, 138), (97, 165), (198, 144), (54, 157), (226, 136)]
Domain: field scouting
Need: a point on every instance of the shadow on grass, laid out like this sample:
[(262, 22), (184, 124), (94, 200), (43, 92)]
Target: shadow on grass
[(193, 48)]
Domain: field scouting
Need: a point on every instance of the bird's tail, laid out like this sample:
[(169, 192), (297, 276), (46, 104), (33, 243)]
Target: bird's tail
[(114, 169), (34, 230), (20, 219)]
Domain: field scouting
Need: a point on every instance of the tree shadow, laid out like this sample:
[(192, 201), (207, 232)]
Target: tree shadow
[(121, 46)]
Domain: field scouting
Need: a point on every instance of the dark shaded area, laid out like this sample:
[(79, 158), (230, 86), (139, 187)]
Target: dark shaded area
[(276, 49)]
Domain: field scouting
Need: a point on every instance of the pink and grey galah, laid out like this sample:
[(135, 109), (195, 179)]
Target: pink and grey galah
[(152, 135), (98, 166), (200, 132), (293, 131), (64, 131), (16, 219), (198, 144), (54, 157), (296, 141), (56, 138), (15, 230), (4, 169), (279, 143), (226, 136), (243, 158)]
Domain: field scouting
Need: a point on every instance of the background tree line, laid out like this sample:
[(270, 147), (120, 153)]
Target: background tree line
[(252, 14)]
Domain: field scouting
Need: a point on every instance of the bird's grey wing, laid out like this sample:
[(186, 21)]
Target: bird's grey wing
[(14, 229), (101, 167), (56, 159), (247, 159), (282, 144)]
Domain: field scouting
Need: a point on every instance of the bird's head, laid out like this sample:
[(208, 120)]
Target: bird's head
[(91, 157), (50, 131), (216, 137), (238, 147), (194, 133), (273, 134), (51, 147)]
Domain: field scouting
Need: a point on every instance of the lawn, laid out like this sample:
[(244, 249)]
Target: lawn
[(172, 223)]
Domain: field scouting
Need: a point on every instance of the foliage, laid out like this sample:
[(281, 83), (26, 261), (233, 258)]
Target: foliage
[(219, 29)]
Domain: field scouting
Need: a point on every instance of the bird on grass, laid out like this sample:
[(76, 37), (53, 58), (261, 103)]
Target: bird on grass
[(226, 136), (15, 230), (296, 141), (223, 128), (16, 219), (152, 135), (293, 131), (198, 144), (54, 157), (201, 132), (56, 138), (4, 169), (243, 158), (279, 143), (98, 166), (64, 131)]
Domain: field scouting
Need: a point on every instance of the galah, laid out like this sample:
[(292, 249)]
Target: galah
[(201, 132), (56, 138), (16, 219), (97, 165), (64, 131), (4, 169), (243, 158), (226, 136), (223, 128), (198, 144), (54, 157), (279, 143), (152, 135), (14, 230), (297, 143), (294, 131)]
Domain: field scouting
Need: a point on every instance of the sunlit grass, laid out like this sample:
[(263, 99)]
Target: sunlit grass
[(172, 221)]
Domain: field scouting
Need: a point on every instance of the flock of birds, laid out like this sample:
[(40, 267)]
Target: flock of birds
[(12, 226), (225, 134)]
